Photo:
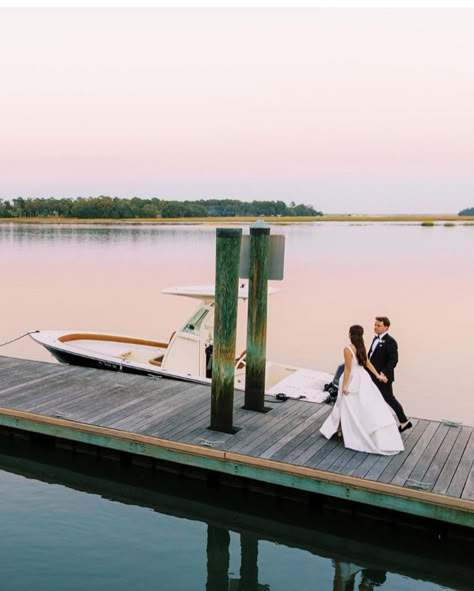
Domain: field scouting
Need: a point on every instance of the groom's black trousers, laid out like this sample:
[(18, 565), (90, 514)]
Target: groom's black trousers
[(387, 392)]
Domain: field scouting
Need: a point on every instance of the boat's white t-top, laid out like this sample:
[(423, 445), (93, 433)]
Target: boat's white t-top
[(207, 292)]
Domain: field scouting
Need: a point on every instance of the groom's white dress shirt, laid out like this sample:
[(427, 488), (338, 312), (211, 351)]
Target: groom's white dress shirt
[(376, 341)]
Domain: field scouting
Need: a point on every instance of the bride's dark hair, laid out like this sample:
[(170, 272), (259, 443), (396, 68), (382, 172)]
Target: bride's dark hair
[(356, 334)]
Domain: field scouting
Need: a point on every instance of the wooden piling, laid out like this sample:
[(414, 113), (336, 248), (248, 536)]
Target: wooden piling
[(257, 317), (228, 244)]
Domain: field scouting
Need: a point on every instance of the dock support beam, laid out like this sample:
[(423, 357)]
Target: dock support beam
[(257, 317), (228, 244)]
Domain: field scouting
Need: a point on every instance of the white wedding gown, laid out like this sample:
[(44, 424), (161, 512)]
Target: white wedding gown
[(366, 420)]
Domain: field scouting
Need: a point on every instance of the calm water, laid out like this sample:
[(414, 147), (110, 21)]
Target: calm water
[(336, 274), (68, 526)]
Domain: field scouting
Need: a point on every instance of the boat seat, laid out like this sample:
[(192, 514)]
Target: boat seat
[(157, 360)]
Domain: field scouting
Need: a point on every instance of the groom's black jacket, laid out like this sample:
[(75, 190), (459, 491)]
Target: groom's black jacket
[(385, 357)]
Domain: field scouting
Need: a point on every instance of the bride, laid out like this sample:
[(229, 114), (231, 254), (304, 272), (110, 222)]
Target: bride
[(360, 414)]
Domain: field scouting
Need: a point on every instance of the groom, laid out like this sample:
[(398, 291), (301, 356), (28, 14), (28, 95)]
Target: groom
[(383, 354)]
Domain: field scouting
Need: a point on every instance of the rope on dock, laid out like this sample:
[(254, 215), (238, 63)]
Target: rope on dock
[(450, 423), (208, 443), (18, 338), (419, 485)]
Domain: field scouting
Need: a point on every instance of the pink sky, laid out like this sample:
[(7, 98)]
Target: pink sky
[(349, 109)]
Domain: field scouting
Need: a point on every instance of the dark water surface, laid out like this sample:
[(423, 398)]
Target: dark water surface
[(74, 522), (109, 279)]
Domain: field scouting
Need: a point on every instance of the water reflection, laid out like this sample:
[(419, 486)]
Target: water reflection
[(243, 542), (50, 237), (218, 559), (345, 575)]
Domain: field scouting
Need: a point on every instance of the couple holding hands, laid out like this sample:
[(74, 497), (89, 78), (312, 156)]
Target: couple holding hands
[(362, 414)]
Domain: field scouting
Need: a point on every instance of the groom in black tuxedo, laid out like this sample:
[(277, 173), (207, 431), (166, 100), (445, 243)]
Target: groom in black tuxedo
[(383, 354)]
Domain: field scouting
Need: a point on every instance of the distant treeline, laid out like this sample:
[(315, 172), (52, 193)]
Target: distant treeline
[(115, 208), (468, 211)]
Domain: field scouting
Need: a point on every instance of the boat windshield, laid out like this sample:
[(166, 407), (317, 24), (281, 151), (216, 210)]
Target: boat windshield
[(194, 323)]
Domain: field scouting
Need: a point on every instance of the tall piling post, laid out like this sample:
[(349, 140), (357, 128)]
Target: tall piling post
[(228, 243), (257, 317)]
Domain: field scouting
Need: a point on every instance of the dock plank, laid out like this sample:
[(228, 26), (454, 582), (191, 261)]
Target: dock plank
[(417, 475), (289, 438), (280, 424), (354, 463), (414, 456), (468, 491), (339, 465), (373, 466), (449, 469), (297, 449), (156, 405), (442, 455), (324, 460), (26, 382), (463, 471)]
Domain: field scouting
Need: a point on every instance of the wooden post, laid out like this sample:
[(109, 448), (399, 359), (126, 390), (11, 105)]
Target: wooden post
[(257, 317), (228, 242)]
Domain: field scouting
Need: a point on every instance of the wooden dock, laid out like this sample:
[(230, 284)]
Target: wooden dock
[(168, 420)]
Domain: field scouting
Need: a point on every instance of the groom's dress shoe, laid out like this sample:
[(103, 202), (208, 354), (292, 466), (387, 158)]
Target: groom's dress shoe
[(407, 426)]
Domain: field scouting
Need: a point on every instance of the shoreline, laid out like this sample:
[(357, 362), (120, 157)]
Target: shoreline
[(466, 220)]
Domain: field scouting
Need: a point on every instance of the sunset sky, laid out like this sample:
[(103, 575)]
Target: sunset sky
[(352, 110)]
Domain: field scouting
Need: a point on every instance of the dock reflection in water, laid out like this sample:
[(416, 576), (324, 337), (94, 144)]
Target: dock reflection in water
[(107, 526)]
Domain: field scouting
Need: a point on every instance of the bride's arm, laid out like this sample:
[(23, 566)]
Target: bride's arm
[(372, 369), (347, 370)]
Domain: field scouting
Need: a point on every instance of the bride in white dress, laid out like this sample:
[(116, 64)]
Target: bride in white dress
[(360, 413)]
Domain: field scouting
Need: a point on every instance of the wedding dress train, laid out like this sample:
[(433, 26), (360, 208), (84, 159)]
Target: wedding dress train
[(366, 420)]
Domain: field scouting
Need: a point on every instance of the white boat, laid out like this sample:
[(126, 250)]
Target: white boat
[(186, 355)]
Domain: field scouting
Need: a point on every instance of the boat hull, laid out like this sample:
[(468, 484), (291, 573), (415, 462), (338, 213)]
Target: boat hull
[(73, 358), (70, 358)]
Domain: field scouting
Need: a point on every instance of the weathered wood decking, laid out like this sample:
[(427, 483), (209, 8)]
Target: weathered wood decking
[(168, 420)]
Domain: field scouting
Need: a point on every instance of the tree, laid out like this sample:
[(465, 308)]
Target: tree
[(18, 207), (5, 209), (117, 208), (468, 211)]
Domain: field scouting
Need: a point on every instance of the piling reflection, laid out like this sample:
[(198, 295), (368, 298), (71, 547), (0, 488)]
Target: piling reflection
[(347, 576), (343, 555), (248, 566), (218, 557)]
